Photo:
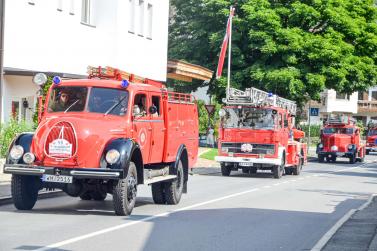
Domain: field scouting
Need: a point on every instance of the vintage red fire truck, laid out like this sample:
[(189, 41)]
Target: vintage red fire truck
[(107, 134), (340, 137), (256, 133), (371, 137)]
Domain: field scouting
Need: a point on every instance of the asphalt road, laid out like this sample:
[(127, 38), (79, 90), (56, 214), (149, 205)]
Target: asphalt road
[(241, 212)]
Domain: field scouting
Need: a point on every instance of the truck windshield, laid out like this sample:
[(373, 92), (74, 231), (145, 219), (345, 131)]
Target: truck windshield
[(372, 132), (333, 130), (250, 118), (101, 100)]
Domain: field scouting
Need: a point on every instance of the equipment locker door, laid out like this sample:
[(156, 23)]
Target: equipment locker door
[(158, 129), (141, 124)]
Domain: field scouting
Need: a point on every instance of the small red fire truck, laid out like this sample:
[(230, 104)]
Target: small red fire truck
[(107, 134), (371, 137), (256, 133), (340, 137)]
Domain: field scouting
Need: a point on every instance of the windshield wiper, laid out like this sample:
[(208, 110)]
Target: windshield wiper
[(71, 105), (115, 105)]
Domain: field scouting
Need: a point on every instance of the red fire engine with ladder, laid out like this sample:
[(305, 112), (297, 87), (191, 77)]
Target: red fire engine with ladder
[(107, 135), (256, 133)]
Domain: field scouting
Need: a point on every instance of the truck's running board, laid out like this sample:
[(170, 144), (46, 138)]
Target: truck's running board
[(159, 179)]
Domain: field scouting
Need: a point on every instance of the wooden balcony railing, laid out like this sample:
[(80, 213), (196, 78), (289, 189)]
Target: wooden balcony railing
[(366, 106)]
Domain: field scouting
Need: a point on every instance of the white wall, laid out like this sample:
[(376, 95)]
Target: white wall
[(15, 89), (201, 94), (339, 105), (41, 38)]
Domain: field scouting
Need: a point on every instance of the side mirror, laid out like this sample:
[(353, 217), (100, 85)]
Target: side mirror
[(152, 109)]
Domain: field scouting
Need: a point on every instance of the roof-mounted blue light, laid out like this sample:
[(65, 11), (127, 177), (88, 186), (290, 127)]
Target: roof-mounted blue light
[(57, 80), (270, 94), (125, 83)]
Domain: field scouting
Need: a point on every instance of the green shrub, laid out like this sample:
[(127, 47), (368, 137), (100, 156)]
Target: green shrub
[(315, 130), (9, 131)]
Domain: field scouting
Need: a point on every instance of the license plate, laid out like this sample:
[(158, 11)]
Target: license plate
[(339, 154), (246, 164), (57, 178)]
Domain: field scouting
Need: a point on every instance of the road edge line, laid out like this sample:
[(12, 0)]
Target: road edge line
[(330, 233)]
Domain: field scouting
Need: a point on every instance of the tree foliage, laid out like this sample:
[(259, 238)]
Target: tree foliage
[(293, 48)]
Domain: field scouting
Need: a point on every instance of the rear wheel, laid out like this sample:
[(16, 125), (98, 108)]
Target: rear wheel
[(367, 152), (321, 158), (124, 192), (297, 170), (225, 169), (174, 189), (278, 170), (288, 171), (24, 191), (245, 170), (158, 193)]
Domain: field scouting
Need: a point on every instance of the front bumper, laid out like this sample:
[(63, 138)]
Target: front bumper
[(337, 154), (371, 148), (78, 173), (268, 161)]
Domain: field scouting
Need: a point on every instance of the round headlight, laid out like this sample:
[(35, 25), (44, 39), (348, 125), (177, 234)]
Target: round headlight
[(350, 147), (112, 156), (334, 148), (28, 158), (320, 145), (16, 152)]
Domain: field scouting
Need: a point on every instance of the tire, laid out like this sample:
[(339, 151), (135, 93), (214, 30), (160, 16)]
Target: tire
[(124, 192), (367, 152), (288, 171), (174, 189), (225, 170), (253, 170), (99, 195), (245, 170), (278, 170), (297, 170), (353, 159), (333, 159), (328, 159), (158, 193), (24, 191), (86, 196), (321, 158)]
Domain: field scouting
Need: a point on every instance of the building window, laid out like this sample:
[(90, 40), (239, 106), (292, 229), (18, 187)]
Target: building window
[(150, 21), (131, 7), (60, 5), (374, 96), (86, 12), (341, 95), (141, 17)]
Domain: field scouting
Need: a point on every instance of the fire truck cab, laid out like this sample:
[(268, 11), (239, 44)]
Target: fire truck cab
[(340, 137), (256, 133), (371, 137), (107, 134)]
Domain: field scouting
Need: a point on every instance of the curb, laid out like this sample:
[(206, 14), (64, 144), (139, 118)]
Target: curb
[(330, 233), (43, 195)]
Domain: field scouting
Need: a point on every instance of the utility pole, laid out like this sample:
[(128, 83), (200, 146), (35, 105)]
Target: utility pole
[(2, 19)]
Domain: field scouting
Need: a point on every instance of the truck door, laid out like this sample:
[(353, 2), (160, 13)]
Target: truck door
[(141, 124), (158, 129)]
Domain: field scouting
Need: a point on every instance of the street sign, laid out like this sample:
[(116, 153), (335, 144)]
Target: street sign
[(210, 109), (314, 111)]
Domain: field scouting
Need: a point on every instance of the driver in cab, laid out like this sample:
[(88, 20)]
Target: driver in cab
[(62, 103)]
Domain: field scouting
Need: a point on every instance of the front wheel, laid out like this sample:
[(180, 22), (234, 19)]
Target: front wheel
[(321, 158), (297, 170), (225, 169), (174, 189), (353, 159), (158, 193), (124, 192), (24, 191)]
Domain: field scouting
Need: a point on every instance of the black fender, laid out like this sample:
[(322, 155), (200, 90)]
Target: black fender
[(129, 151), (182, 155), (24, 140)]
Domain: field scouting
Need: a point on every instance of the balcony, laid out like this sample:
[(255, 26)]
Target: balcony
[(364, 106)]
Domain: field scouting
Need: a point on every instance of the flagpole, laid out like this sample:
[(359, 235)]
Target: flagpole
[(229, 50)]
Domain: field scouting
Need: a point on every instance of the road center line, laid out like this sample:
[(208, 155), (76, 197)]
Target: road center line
[(110, 229)]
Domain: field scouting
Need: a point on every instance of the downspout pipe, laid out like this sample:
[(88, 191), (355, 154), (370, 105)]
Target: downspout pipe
[(2, 20)]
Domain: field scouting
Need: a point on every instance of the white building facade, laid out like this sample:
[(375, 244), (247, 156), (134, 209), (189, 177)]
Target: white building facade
[(65, 36)]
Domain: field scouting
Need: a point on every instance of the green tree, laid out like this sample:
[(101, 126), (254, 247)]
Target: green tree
[(43, 93), (293, 48)]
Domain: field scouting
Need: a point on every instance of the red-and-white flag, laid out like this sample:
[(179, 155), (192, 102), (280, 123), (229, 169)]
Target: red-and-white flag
[(225, 44)]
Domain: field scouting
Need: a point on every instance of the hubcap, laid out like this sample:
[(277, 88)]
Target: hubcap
[(131, 188)]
